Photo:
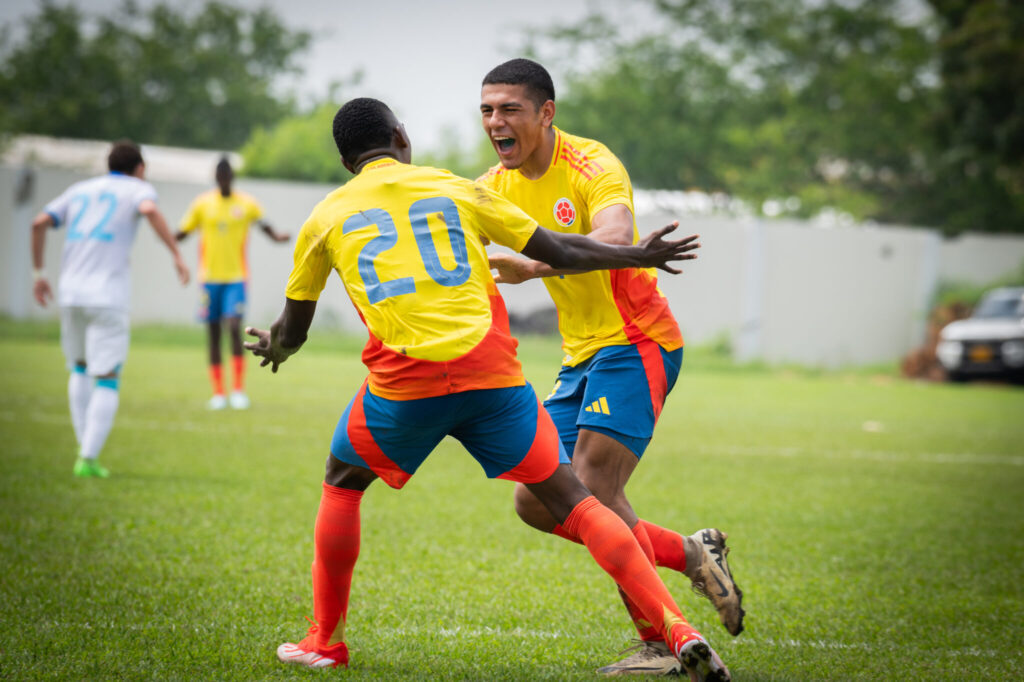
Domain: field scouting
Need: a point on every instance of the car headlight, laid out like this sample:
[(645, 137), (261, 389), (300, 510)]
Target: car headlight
[(1013, 352), (950, 353)]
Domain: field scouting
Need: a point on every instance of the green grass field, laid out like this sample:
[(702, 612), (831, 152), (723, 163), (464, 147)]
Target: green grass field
[(876, 526)]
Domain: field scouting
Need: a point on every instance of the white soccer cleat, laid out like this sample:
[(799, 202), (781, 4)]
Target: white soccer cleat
[(292, 653), (217, 402), (713, 579), (239, 400), (651, 658)]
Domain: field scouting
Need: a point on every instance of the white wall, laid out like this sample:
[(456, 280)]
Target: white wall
[(783, 291)]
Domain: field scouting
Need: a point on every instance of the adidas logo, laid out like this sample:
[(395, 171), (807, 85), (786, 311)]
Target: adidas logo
[(600, 406)]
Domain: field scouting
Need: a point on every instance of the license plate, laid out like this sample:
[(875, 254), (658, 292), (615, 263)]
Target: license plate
[(981, 353)]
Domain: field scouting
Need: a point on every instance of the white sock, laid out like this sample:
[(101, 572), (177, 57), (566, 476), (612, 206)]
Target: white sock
[(98, 420), (79, 391)]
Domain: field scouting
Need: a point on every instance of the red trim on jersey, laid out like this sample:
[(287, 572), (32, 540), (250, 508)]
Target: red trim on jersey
[(644, 311), (492, 363), (541, 459), (366, 447)]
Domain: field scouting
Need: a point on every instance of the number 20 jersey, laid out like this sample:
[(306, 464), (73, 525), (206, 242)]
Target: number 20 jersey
[(101, 215), (408, 244)]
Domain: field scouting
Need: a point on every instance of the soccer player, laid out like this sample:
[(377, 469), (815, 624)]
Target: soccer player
[(408, 243), (223, 217), (622, 345), (95, 288)]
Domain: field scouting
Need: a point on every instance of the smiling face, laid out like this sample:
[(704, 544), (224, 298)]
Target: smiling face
[(519, 130)]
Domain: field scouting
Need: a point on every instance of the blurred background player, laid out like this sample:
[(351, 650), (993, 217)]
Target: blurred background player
[(408, 243), (95, 288), (223, 217), (623, 348)]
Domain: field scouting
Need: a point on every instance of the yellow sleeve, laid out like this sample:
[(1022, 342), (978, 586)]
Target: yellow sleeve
[(609, 188), (500, 220), (193, 217), (312, 263), (255, 211)]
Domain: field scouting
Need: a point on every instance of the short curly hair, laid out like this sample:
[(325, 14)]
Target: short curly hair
[(124, 157), (539, 86), (362, 124)]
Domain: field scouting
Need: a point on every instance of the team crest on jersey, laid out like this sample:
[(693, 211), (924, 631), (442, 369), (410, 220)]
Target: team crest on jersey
[(237, 212), (565, 212)]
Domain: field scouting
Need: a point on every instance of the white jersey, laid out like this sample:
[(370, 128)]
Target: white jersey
[(101, 215)]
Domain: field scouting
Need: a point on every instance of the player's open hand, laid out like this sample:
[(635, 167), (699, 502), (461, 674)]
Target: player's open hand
[(510, 269), (658, 252), (264, 347), (182, 270), (42, 292)]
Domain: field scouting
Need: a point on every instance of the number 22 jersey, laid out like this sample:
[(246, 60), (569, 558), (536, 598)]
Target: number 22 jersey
[(408, 244)]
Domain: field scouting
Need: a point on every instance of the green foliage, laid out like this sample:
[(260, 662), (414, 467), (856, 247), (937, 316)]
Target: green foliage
[(161, 75), (299, 147), (969, 294), (839, 104), (192, 560)]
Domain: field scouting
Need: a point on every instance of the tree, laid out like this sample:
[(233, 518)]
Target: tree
[(837, 103), (160, 76), (299, 147)]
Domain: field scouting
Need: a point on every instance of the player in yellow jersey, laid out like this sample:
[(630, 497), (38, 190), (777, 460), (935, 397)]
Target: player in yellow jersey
[(408, 244), (622, 345), (223, 217)]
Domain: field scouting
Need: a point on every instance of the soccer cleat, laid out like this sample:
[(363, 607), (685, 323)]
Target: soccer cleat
[(713, 579), (90, 468), (306, 653), (653, 658), (239, 400), (701, 662), (217, 402)]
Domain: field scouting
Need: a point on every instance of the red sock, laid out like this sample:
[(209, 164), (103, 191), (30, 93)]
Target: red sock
[(669, 546), (238, 361), (615, 549), (561, 532), (217, 379), (644, 628), (336, 540)]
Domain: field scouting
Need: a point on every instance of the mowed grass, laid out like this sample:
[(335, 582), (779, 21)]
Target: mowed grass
[(876, 526)]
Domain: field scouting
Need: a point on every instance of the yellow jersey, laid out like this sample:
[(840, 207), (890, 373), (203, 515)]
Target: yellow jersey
[(408, 243), (224, 233), (600, 308)]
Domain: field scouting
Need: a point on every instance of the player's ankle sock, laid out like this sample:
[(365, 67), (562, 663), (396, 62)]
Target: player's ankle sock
[(336, 540), (669, 546), (79, 390), (99, 417), (644, 628), (238, 363), (616, 550), (217, 379)]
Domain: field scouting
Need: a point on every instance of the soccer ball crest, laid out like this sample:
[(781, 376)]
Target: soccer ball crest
[(565, 212)]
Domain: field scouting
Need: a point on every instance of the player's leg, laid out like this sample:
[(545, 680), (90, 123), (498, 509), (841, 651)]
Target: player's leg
[(80, 384), (234, 304), (106, 348), (211, 313), (374, 437)]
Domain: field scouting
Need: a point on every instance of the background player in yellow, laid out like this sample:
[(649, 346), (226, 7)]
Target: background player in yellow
[(623, 348), (223, 217)]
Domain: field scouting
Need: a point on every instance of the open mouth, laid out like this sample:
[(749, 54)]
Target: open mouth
[(503, 143)]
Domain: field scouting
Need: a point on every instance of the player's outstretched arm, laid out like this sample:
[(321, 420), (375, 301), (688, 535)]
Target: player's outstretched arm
[(270, 232), (156, 220), (286, 335), (41, 290), (577, 252)]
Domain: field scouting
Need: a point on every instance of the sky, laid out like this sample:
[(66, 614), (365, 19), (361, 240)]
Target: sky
[(424, 58)]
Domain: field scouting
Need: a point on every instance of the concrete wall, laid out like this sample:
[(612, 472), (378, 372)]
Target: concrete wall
[(782, 291)]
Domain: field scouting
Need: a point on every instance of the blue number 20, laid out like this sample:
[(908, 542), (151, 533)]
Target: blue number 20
[(74, 231), (376, 290)]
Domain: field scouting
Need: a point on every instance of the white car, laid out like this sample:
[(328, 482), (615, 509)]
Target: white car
[(989, 343)]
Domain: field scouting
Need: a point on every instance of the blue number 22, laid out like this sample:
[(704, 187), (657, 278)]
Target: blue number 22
[(74, 229), (376, 290)]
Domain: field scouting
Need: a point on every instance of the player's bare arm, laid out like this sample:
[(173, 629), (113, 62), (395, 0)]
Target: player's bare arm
[(156, 219), (41, 290), (577, 252), (270, 232), (285, 336)]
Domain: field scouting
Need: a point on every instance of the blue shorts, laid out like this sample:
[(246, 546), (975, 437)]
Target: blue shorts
[(619, 391), (505, 429), (222, 299)]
